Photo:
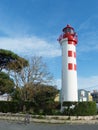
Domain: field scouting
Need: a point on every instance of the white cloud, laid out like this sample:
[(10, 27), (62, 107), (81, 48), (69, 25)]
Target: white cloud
[(28, 46)]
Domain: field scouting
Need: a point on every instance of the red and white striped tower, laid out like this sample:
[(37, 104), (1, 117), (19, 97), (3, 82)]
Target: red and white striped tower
[(68, 41)]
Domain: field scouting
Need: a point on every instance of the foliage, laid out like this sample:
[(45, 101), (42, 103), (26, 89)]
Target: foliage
[(68, 104), (37, 93), (6, 83), (9, 60), (50, 108), (15, 106), (36, 73), (16, 95), (30, 106), (44, 94), (12, 63), (80, 108), (86, 108)]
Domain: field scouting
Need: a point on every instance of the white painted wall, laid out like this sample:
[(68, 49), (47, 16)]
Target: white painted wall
[(69, 77)]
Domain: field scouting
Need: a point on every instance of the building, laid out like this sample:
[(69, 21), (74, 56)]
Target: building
[(95, 96), (84, 95), (5, 97), (57, 98)]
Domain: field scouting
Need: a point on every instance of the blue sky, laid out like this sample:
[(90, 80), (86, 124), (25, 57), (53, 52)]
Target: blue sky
[(31, 27)]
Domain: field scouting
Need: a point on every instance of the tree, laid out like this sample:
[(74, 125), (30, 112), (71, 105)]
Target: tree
[(16, 95), (9, 60), (39, 73), (36, 73), (38, 93), (44, 94), (12, 63), (6, 83)]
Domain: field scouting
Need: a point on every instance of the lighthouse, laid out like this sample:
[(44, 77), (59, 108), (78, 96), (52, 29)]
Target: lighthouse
[(68, 41)]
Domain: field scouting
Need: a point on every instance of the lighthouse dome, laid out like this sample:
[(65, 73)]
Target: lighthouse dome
[(68, 32), (68, 29)]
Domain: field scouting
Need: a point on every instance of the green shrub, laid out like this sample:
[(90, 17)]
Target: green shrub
[(50, 108), (85, 109), (80, 108), (16, 106)]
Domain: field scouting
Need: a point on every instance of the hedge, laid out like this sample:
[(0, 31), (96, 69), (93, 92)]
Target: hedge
[(50, 108), (80, 108), (86, 109), (28, 106), (16, 106)]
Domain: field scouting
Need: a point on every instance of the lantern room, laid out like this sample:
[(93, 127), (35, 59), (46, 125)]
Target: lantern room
[(68, 32), (69, 29)]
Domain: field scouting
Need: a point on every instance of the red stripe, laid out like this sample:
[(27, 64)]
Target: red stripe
[(74, 54), (71, 42), (71, 54), (72, 66), (75, 67)]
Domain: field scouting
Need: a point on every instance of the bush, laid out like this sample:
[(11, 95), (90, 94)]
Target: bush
[(16, 106), (85, 109), (80, 108), (50, 108)]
